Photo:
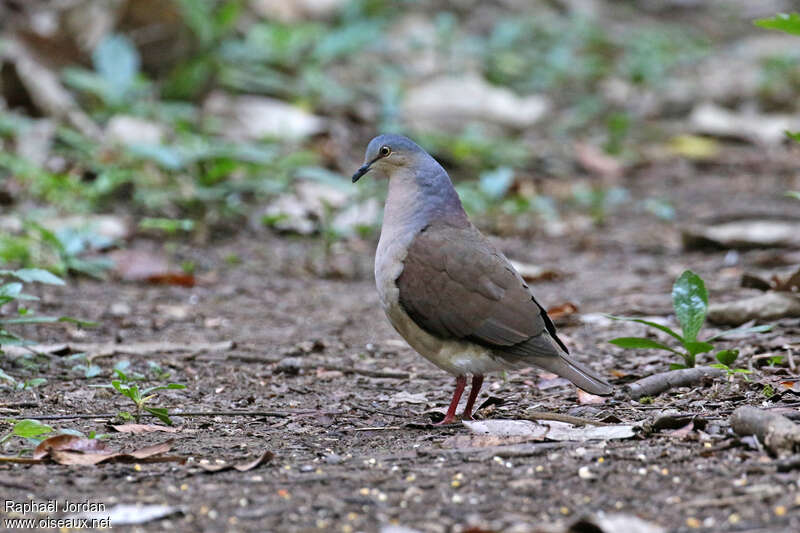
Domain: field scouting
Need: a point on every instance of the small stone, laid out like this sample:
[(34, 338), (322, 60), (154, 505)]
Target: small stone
[(119, 309), (585, 473), (333, 459)]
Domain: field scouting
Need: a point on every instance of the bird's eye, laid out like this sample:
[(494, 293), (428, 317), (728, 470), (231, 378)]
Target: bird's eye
[(385, 150)]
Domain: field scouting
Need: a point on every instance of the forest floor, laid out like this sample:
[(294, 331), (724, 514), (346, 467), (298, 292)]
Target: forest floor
[(346, 407)]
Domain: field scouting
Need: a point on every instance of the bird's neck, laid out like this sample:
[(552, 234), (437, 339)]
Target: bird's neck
[(416, 200)]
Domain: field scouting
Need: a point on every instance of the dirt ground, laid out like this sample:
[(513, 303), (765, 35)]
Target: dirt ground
[(297, 337)]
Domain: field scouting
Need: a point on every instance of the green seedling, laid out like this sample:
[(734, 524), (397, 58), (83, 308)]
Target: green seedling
[(775, 360), (30, 430), (141, 398), (768, 391), (11, 292), (690, 302), (726, 359)]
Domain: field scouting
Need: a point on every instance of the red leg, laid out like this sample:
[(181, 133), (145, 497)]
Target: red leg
[(461, 382), (477, 383)]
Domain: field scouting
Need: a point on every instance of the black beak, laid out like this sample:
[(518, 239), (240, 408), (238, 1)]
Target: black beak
[(361, 171)]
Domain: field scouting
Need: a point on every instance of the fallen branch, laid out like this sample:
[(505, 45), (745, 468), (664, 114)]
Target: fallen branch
[(279, 414), (95, 350), (780, 435), (664, 381)]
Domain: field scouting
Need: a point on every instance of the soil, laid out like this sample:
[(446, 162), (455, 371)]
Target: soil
[(352, 454)]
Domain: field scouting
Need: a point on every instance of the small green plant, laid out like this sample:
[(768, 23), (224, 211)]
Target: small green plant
[(726, 359), (11, 292), (30, 430), (768, 391), (787, 23), (125, 386), (690, 302), (775, 360)]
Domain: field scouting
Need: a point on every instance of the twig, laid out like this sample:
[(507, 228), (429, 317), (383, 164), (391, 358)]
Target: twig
[(279, 414), (780, 435), (664, 381), (384, 428), (364, 372), (727, 501), (790, 357), (574, 420)]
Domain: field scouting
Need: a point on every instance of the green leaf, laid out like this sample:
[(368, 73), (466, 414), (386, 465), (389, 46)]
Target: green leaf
[(690, 301), (116, 60), (794, 135), (171, 386), (696, 347), (727, 357), (640, 342), (6, 377), (793, 194), (47, 320), (677, 366), (161, 413), (659, 327), (786, 22), (30, 428), (30, 275), (740, 332), (10, 290)]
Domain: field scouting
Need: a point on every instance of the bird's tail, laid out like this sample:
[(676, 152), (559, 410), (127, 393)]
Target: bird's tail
[(578, 374)]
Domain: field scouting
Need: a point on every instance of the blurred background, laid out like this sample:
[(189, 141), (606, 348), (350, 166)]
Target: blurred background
[(203, 118)]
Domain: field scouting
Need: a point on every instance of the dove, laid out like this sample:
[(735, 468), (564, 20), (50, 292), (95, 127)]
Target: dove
[(447, 290)]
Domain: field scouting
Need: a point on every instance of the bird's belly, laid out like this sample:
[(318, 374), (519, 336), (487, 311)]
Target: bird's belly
[(453, 356)]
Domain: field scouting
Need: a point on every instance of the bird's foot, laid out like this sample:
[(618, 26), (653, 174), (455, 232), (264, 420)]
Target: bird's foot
[(446, 421)]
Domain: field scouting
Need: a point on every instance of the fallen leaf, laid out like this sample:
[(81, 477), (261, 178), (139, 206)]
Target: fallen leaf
[(560, 312), (407, 397), (754, 127), (681, 432), (150, 454), (586, 398), (450, 102), (126, 514), (755, 233), (265, 457), (145, 265), (694, 147), (533, 273), (71, 443), (143, 428), (549, 430), (596, 161)]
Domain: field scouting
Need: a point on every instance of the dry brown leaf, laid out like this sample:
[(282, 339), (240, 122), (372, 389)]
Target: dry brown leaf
[(586, 398), (145, 265), (71, 443), (681, 432), (265, 457), (143, 428), (560, 312), (596, 161), (66, 455), (533, 273)]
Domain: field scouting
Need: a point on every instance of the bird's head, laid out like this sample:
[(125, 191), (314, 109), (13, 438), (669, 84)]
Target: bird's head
[(389, 152)]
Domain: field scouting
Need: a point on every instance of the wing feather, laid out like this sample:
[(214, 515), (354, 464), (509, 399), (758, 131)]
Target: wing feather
[(455, 284)]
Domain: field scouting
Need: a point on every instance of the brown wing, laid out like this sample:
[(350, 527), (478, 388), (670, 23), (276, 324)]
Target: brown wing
[(455, 284)]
